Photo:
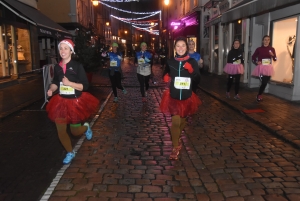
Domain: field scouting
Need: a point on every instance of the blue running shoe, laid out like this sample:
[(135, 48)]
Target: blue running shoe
[(89, 132), (124, 91), (69, 158)]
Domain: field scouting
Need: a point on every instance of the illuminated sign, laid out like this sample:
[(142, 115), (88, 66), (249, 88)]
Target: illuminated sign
[(176, 23)]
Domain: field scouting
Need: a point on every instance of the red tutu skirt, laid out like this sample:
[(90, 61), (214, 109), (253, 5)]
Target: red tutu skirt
[(182, 108), (74, 110), (266, 70), (233, 69)]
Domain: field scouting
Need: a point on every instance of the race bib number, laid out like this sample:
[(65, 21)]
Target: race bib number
[(113, 63), (141, 61), (66, 90), (237, 61), (182, 82), (265, 61)]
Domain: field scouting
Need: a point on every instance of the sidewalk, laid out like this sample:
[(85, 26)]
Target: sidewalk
[(281, 117)]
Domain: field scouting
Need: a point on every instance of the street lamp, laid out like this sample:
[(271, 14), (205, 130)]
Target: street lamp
[(125, 32), (107, 23), (95, 3)]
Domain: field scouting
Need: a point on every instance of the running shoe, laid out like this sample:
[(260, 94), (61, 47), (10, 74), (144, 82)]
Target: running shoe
[(227, 95), (88, 132), (174, 154), (259, 98), (69, 157), (124, 91), (115, 99), (237, 97)]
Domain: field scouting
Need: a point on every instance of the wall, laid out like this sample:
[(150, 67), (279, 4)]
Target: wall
[(62, 10), (31, 3)]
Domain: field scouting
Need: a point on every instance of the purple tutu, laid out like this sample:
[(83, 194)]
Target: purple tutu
[(266, 70), (233, 69)]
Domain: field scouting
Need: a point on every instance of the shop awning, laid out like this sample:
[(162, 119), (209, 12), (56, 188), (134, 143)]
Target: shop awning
[(213, 21), (249, 8), (46, 27)]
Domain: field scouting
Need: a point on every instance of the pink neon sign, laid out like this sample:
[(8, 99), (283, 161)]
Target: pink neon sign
[(175, 23)]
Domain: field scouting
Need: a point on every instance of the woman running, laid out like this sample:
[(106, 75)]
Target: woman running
[(234, 68), (179, 100), (263, 57), (71, 105)]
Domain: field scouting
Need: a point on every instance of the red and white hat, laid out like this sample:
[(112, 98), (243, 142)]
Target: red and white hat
[(69, 43)]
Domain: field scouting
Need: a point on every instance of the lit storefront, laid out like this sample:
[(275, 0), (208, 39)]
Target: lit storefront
[(279, 20), (26, 34)]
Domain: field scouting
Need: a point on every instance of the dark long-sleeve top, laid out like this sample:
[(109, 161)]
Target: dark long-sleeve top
[(176, 68), (235, 55), (75, 73), (263, 53)]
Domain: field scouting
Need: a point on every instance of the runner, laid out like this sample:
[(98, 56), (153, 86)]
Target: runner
[(197, 57), (179, 100), (263, 57), (143, 63), (115, 70), (71, 105), (234, 68)]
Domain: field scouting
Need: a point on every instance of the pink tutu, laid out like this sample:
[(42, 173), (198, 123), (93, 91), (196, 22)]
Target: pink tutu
[(266, 70), (182, 108), (233, 69), (74, 110)]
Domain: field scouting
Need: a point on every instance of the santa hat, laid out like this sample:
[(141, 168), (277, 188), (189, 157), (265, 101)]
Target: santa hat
[(69, 43)]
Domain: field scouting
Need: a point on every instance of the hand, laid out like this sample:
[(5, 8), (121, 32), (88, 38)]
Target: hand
[(119, 57), (66, 81), (167, 78), (136, 65), (188, 67), (259, 62), (49, 92), (271, 53), (147, 60)]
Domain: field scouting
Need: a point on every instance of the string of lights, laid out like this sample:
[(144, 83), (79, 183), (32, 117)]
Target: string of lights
[(127, 11), (120, 0), (130, 19)]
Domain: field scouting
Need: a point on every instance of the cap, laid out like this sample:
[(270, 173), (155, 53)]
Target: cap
[(115, 45), (68, 42)]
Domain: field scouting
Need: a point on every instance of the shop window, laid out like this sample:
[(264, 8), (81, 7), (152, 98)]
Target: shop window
[(23, 50), (283, 40)]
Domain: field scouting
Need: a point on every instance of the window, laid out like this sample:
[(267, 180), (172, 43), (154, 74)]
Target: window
[(283, 40)]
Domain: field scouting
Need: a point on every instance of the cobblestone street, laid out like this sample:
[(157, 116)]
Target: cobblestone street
[(225, 156)]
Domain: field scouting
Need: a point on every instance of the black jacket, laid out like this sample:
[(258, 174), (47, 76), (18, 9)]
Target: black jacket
[(234, 55), (75, 73), (175, 69)]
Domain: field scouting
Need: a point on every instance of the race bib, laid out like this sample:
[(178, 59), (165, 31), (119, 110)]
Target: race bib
[(141, 61), (265, 61), (237, 61), (66, 90), (113, 63), (182, 82)]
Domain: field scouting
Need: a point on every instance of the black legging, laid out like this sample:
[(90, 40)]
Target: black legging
[(144, 82), (115, 81), (237, 78), (264, 82)]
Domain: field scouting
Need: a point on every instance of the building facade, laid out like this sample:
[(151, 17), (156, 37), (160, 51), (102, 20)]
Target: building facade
[(249, 21), (22, 27)]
